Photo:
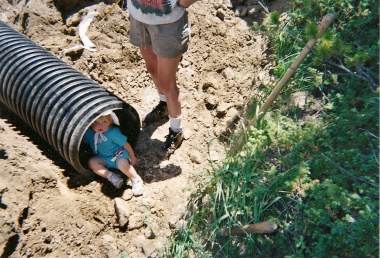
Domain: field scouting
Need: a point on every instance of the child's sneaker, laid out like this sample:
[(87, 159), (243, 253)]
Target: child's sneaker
[(137, 186), (115, 179)]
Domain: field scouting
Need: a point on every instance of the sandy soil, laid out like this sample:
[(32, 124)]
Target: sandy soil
[(47, 209)]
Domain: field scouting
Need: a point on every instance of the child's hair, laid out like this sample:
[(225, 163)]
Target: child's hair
[(109, 117)]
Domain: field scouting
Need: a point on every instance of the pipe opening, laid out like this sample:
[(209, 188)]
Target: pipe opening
[(129, 126), (55, 100)]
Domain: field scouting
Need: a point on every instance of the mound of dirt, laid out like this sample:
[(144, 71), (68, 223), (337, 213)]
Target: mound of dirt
[(48, 209)]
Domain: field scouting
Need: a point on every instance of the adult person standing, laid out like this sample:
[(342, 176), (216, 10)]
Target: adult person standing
[(161, 30)]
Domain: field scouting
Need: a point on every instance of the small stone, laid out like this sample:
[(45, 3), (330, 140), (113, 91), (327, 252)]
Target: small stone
[(220, 14), (122, 211), (243, 12), (195, 158), (152, 248), (228, 73), (172, 222), (136, 221), (108, 239), (127, 195)]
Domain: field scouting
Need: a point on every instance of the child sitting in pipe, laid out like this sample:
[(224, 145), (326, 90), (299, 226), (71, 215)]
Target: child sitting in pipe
[(112, 150)]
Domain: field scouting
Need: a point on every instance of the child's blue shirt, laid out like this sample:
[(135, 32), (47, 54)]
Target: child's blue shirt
[(107, 143)]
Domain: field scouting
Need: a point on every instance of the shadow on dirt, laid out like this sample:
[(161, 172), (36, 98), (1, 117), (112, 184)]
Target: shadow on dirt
[(149, 164)]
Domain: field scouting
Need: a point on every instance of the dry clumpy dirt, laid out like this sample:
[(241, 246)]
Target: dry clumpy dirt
[(49, 210)]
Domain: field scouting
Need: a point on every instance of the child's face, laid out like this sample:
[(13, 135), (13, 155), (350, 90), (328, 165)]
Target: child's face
[(101, 124)]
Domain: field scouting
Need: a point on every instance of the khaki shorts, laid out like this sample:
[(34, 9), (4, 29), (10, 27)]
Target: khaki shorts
[(168, 40)]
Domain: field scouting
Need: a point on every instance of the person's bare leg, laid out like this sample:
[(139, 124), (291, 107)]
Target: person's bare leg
[(163, 72), (98, 165), (167, 69), (151, 65), (127, 169)]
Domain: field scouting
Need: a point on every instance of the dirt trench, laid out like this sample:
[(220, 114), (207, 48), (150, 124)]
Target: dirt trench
[(47, 209)]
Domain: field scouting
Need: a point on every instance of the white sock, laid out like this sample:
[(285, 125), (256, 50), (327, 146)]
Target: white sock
[(109, 175), (175, 123), (133, 180), (162, 97)]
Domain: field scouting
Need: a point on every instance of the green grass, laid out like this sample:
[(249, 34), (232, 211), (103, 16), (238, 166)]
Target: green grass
[(317, 179)]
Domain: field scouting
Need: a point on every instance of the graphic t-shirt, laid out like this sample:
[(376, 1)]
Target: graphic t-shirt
[(155, 11), (106, 144)]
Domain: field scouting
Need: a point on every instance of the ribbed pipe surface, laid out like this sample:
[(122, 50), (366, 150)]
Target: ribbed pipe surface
[(55, 99)]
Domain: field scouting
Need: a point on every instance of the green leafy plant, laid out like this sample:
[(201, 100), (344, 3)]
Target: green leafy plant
[(317, 179)]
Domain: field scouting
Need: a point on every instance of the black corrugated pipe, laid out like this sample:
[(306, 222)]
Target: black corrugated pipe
[(54, 99)]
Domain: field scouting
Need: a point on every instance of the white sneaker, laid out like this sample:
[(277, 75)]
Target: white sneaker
[(116, 180), (137, 186)]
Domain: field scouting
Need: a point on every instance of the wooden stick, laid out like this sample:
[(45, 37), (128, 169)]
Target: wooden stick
[(109, 10), (261, 227), (325, 23)]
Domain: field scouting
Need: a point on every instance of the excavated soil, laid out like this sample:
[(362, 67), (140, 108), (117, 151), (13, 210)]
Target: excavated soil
[(47, 209)]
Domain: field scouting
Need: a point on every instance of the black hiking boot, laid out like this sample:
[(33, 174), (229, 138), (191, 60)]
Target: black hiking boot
[(173, 142), (158, 114)]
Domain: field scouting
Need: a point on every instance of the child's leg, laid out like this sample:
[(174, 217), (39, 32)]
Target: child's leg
[(137, 183), (127, 169), (98, 165)]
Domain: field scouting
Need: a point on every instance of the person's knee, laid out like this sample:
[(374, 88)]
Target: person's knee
[(94, 162), (91, 162), (123, 163), (152, 69), (150, 61)]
